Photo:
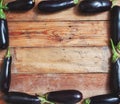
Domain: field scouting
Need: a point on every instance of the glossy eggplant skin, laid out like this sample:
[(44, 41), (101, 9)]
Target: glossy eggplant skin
[(20, 5), (115, 24), (5, 75), (55, 5), (103, 99), (94, 6), (21, 98), (64, 96), (4, 35), (115, 77)]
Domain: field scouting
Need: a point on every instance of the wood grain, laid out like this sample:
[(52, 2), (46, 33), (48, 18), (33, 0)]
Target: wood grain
[(71, 14), (61, 60), (56, 34), (88, 84)]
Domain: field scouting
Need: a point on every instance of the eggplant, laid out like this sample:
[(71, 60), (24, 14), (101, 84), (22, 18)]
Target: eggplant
[(4, 39), (94, 6), (103, 99), (5, 74), (4, 35), (21, 98), (115, 71), (115, 42), (24, 98), (115, 77), (115, 26), (55, 5), (64, 96), (20, 5)]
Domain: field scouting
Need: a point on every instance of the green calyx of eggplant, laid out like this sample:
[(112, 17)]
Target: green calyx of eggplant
[(87, 101), (2, 14), (118, 46), (8, 53), (113, 2), (115, 55), (75, 1), (44, 100)]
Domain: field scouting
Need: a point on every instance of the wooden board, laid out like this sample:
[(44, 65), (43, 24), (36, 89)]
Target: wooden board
[(64, 50), (61, 60), (57, 34), (42, 83)]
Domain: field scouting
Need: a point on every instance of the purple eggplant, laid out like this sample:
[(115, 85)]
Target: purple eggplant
[(5, 74), (4, 35), (115, 76), (55, 5), (115, 24), (64, 96), (103, 99), (20, 5), (94, 6), (4, 38), (21, 98)]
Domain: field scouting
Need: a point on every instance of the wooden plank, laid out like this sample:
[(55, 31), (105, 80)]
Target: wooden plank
[(2, 54), (88, 84), (61, 60), (48, 34), (66, 15)]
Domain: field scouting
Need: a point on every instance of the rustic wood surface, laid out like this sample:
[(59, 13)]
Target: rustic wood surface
[(59, 34), (64, 50)]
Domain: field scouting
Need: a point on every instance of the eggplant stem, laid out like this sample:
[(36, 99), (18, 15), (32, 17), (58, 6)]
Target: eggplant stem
[(1, 2), (2, 14), (43, 100), (33, 0), (118, 46), (87, 101), (4, 7), (8, 52), (114, 52), (113, 3), (75, 1)]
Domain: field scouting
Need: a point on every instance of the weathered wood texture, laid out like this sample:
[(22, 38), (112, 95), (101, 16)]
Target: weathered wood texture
[(61, 60), (88, 84), (71, 14), (48, 34)]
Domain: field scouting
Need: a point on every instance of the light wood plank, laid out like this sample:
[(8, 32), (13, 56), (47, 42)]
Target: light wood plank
[(48, 34), (2, 54), (88, 84), (61, 60), (71, 14)]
